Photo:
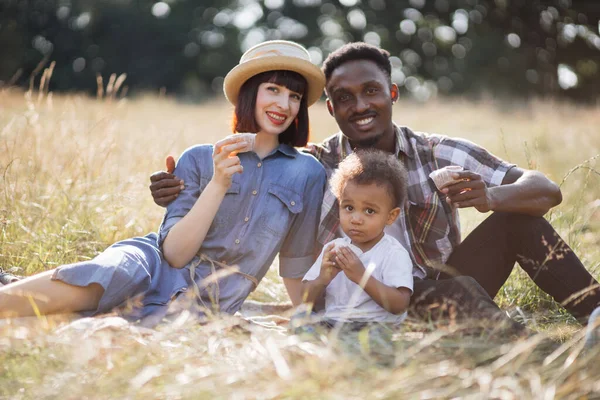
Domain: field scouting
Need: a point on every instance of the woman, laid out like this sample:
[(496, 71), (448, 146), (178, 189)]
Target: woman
[(237, 211)]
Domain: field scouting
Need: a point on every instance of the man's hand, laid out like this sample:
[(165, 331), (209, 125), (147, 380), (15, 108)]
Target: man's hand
[(165, 186), (470, 192), (329, 269), (350, 264)]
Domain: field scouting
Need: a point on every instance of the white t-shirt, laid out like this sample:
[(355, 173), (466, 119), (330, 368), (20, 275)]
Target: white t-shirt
[(387, 261)]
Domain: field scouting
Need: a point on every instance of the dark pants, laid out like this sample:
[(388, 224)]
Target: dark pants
[(452, 298), (488, 256)]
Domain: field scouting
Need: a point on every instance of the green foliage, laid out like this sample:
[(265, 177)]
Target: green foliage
[(508, 48)]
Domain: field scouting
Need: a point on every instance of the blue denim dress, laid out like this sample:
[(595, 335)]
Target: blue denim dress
[(272, 207)]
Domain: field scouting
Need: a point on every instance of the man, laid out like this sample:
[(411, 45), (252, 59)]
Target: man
[(450, 276)]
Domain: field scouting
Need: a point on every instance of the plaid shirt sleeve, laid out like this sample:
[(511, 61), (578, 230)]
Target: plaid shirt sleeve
[(329, 154), (458, 151)]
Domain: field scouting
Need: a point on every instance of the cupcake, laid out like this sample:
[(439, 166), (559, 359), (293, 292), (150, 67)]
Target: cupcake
[(248, 139), (443, 177), (352, 247)]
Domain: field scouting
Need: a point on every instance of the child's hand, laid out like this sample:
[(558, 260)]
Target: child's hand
[(329, 269), (350, 264)]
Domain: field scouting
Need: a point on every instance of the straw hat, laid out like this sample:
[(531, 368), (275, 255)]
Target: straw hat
[(275, 55)]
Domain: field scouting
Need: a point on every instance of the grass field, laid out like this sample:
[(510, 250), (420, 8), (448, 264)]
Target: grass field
[(74, 179)]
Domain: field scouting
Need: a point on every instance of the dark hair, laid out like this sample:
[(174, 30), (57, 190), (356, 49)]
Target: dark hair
[(365, 167), (358, 51), (243, 117)]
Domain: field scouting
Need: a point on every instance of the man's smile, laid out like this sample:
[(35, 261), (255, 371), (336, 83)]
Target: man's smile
[(364, 120)]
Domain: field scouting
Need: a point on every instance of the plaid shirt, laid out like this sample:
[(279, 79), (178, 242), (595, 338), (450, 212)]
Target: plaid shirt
[(427, 226)]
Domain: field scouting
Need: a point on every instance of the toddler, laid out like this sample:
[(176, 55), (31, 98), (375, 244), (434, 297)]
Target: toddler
[(365, 276)]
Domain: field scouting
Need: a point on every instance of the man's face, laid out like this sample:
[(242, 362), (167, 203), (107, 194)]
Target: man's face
[(360, 95)]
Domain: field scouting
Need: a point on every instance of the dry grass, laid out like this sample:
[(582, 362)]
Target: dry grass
[(73, 179)]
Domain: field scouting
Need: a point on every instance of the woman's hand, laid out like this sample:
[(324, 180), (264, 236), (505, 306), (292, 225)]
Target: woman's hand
[(248, 139), (225, 162)]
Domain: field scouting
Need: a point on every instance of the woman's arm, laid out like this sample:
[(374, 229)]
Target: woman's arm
[(299, 249), (186, 237), (293, 286)]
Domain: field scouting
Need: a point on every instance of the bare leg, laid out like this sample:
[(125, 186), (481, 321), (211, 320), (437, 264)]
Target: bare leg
[(41, 294)]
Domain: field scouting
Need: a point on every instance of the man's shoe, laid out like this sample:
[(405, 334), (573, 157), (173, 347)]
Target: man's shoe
[(7, 278), (592, 336)]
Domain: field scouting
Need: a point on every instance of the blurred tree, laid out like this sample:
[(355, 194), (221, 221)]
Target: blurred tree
[(502, 47)]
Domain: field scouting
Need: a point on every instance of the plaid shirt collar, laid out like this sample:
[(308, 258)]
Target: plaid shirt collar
[(401, 145)]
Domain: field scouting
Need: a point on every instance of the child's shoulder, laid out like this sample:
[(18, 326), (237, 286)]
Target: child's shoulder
[(395, 256), (392, 245)]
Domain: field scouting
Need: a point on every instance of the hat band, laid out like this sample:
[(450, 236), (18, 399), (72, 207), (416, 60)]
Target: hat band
[(273, 52)]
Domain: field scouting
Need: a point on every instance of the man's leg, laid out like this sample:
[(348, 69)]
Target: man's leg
[(489, 253), (458, 297)]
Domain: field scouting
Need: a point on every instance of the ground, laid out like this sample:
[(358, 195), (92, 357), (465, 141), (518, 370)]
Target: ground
[(74, 179)]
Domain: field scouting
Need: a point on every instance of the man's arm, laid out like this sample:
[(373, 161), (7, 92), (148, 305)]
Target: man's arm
[(522, 191), (164, 186)]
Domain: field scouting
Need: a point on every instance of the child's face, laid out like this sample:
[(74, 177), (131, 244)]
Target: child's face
[(364, 211)]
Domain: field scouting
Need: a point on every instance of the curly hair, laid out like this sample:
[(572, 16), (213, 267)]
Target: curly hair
[(365, 167), (357, 51)]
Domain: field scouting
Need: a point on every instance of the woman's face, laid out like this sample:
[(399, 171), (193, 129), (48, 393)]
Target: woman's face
[(276, 108)]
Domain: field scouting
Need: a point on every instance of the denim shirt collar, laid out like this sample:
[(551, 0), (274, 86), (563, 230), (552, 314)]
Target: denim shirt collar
[(287, 150)]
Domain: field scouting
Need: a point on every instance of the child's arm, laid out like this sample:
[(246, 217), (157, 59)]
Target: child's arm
[(393, 300), (314, 289)]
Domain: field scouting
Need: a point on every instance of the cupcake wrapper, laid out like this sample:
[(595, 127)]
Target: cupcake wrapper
[(249, 140), (443, 177)]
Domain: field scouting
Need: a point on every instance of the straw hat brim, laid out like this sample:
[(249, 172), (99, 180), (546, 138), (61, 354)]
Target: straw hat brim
[(242, 72)]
